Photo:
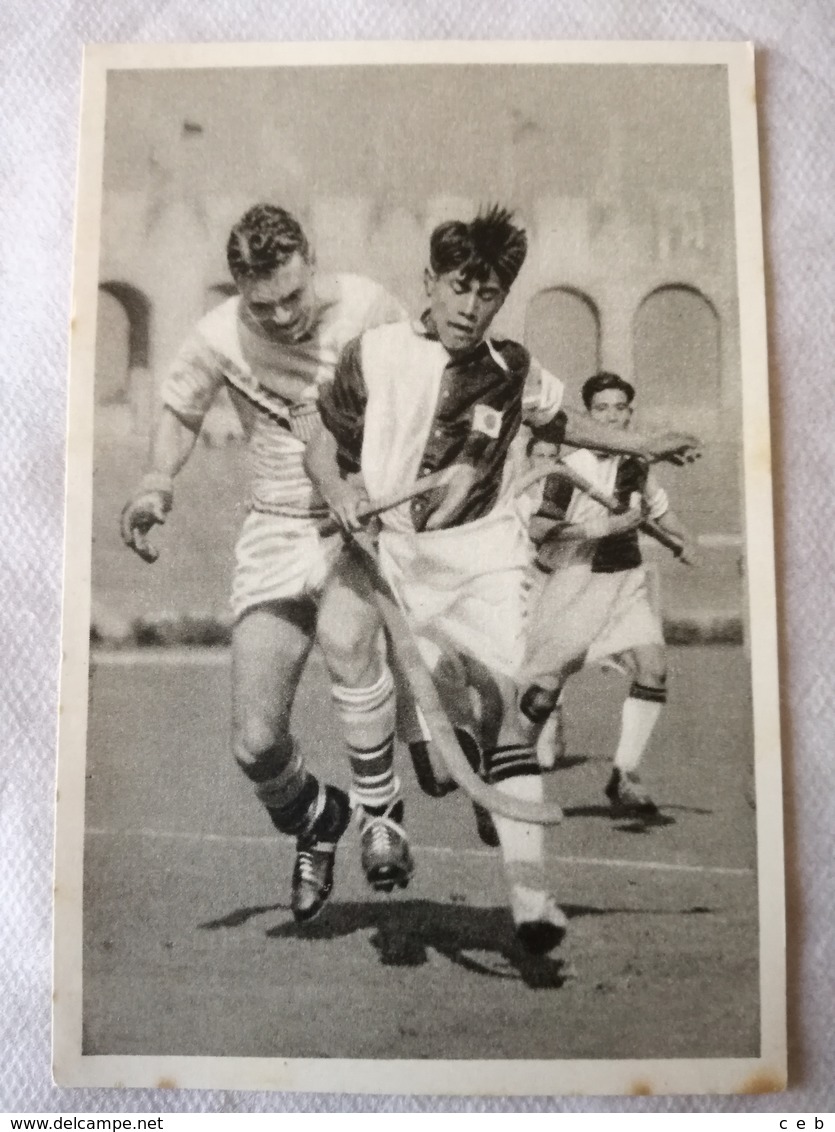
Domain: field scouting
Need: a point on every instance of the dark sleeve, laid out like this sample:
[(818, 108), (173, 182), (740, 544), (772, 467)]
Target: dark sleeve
[(553, 431), (556, 497), (342, 403)]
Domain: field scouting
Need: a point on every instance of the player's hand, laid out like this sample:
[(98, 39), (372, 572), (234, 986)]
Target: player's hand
[(675, 447), (462, 479), (628, 520), (689, 554), (345, 499), (146, 510)]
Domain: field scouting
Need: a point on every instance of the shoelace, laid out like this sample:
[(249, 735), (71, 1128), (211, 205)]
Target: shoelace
[(381, 832), (306, 864)]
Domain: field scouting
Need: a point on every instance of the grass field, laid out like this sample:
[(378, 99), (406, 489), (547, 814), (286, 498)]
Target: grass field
[(190, 949)]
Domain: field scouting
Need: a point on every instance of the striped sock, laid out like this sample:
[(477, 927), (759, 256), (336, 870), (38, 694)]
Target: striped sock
[(641, 710), (368, 716), (516, 760), (294, 797), (514, 770)]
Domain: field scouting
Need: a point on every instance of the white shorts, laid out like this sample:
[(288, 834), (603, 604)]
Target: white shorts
[(577, 617), (278, 557), (462, 589)]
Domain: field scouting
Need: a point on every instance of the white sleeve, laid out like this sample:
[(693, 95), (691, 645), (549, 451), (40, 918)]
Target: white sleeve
[(542, 396), (193, 380), (656, 498)]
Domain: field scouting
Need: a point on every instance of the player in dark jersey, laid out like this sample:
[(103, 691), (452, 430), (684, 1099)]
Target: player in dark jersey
[(407, 400), (592, 599)]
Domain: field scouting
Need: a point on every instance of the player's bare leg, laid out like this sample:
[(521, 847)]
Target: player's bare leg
[(550, 746), (641, 711), (511, 765), (541, 706), (350, 633), (270, 645)]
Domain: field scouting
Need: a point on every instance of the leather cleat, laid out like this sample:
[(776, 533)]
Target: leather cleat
[(385, 854), (315, 855), (541, 924), (425, 774), (627, 796), (485, 826)]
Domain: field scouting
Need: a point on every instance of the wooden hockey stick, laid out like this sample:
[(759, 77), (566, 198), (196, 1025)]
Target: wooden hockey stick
[(648, 526), (367, 510), (386, 503), (423, 689)]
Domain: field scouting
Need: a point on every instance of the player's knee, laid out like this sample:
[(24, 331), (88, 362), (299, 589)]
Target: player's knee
[(537, 703), (261, 746), (350, 650)]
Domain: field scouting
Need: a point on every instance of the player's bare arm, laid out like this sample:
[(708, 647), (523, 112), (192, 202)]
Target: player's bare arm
[(674, 447), (171, 445), (602, 527), (343, 496)]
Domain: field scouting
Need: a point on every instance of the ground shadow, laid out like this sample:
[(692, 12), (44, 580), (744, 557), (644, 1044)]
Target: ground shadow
[(240, 916), (405, 932), (630, 824)]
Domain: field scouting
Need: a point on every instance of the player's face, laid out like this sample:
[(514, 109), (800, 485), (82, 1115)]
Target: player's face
[(543, 453), (462, 309), (611, 408), (283, 304)]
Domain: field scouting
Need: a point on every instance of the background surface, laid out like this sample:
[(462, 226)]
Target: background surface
[(41, 69)]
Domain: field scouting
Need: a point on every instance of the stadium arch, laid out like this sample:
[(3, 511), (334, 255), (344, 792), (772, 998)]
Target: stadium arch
[(562, 330), (676, 344), (123, 339)]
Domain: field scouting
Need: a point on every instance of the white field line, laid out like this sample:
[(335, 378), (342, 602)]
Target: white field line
[(436, 850), (134, 656)]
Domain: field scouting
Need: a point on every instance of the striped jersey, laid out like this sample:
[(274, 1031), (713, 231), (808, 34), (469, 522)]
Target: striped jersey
[(618, 476), (401, 407), (273, 385)]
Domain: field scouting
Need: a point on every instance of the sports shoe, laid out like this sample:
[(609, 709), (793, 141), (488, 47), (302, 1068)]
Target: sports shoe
[(315, 853), (550, 746), (485, 826), (540, 922), (427, 780), (385, 853), (627, 795)]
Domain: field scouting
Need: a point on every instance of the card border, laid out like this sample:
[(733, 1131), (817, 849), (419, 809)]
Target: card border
[(766, 1073)]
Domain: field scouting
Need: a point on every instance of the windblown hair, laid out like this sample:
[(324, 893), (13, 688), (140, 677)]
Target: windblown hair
[(602, 381), (490, 241), (264, 239)]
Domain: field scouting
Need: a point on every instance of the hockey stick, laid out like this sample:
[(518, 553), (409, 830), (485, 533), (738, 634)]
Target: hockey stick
[(426, 695), (647, 527), (386, 503), (367, 510)]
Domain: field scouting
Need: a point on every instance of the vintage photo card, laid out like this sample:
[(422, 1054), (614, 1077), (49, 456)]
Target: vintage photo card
[(419, 704)]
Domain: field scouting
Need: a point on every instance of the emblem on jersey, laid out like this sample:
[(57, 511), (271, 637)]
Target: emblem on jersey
[(487, 420)]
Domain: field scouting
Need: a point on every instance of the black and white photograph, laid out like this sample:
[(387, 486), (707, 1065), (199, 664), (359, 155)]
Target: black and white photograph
[(419, 704)]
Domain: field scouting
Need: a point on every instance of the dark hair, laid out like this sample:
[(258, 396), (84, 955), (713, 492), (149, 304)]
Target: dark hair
[(534, 440), (602, 381), (264, 239), (491, 241)]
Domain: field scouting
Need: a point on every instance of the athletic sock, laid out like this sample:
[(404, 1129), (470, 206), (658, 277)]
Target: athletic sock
[(515, 770), (368, 717), (641, 710), (294, 798)]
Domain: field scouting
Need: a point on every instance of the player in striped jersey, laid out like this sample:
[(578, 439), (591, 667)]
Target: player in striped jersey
[(272, 345), (407, 400), (591, 598)]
